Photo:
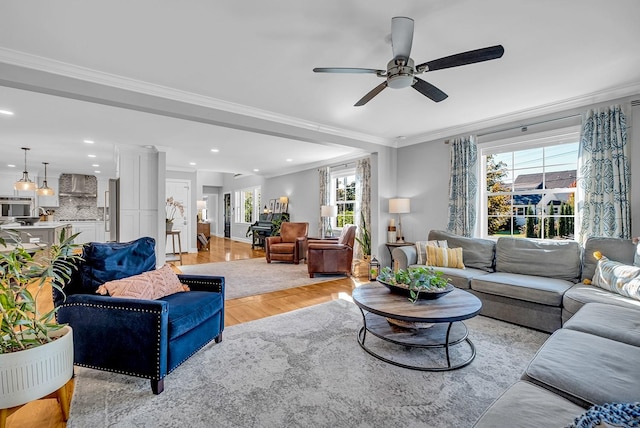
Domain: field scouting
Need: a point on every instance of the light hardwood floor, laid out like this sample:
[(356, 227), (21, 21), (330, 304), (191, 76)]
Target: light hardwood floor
[(46, 413)]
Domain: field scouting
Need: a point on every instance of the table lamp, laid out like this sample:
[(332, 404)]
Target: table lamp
[(399, 206), (326, 212)]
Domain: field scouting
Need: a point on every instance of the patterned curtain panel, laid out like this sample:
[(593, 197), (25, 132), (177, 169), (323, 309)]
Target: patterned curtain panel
[(325, 193), (463, 186), (604, 175), (363, 200)]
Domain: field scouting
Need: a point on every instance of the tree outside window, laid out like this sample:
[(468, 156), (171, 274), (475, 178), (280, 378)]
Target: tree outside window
[(247, 205), (344, 197)]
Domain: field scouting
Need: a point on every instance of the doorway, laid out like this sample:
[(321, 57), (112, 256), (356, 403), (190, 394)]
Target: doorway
[(180, 191), (227, 215)]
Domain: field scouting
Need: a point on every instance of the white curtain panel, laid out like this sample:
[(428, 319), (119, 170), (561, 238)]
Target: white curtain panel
[(463, 186), (325, 193), (363, 200), (604, 175)]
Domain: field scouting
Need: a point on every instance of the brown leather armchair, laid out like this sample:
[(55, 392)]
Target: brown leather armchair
[(331, 256), (290, 246)]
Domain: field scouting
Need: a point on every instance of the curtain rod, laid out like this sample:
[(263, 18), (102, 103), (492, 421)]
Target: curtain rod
[(524, 127)]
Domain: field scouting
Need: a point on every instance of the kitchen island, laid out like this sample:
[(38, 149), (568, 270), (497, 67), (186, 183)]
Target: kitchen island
[(44, 232)]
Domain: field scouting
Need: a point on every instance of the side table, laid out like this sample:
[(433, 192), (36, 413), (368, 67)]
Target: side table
[(392, 245)]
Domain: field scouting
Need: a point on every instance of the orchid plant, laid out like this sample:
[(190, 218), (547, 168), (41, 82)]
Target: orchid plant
[(172, 208)]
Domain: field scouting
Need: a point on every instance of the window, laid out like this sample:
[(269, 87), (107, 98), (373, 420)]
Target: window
[(343, 194), (529, 187), (247, 205)]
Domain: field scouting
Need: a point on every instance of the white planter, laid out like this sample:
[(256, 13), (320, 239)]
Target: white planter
[(37, 372)]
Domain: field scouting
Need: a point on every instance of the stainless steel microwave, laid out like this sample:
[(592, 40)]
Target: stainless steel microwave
[(15, 206)]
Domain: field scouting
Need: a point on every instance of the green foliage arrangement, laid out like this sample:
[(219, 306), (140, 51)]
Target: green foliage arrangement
[(417, 280), (365, 240), (22, 326)]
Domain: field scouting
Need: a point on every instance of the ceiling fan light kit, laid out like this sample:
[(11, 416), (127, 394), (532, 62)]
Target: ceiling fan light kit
[(401, 70)]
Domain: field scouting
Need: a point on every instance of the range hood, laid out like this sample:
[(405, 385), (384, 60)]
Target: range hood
[(80, 185)]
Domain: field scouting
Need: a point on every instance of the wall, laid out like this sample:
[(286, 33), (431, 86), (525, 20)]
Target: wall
[(423, 176), (231, 185), (302, 189)]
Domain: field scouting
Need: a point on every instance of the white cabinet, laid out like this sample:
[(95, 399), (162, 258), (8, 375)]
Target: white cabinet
[(50, 201), (90, 231)]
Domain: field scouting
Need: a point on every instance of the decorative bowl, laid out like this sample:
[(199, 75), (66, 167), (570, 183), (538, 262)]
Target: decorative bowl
[(423, 295)]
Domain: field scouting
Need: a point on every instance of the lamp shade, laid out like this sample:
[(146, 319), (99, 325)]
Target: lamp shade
[(284, 199), (399, 206), (328, 211), (201, 205)]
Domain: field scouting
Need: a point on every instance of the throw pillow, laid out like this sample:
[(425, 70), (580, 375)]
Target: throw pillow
[(617, 277), (421, 250), (609, 414), (151, 285), (444, 257)]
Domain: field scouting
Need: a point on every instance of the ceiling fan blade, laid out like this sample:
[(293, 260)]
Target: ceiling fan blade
[(464, 58), (401, 37), (347, 70), (375, 91), (428, 90)]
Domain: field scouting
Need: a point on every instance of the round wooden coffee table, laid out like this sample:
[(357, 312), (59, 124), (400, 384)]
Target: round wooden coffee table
[(383, 312)]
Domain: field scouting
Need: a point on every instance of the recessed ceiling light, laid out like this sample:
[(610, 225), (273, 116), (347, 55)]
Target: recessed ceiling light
[(289, 160), (97, 172), (11, 165), (6, 112), (256, 170), (92, 156), (215, 150), (95, 165), (192, 163), (88, 141)]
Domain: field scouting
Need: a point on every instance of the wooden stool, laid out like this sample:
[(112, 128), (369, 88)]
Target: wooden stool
[(175, 256)]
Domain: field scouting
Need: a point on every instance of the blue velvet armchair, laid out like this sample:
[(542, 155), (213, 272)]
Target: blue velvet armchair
[(145, 338)]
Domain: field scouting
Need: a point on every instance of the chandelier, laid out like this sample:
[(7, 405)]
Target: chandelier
[(25, 182), (45, 190)]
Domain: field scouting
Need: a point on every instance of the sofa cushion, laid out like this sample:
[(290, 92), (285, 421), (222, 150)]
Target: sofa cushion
[(618, 278), (610, 321), (620, 250), (421, 250), (525, 405), (580, 294), (537, 289), (188, 310), (476, 253), (586, 369), (444, 257), (551, 259), (150, 285), (461, 278)]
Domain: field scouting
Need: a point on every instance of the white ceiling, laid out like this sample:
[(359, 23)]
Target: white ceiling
[(255, 58)]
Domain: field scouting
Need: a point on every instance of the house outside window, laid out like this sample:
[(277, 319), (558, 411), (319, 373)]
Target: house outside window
[(343, 195), (247, 205), (529, 187)]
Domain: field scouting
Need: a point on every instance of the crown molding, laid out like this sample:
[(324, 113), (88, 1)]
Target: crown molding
[(524, 115), (48, 65)]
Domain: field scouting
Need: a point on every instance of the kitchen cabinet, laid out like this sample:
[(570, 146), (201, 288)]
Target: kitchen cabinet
[(89, 231), (42, 233), (6, 184)]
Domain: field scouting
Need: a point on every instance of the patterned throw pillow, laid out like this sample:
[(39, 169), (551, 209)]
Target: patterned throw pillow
[(444, 257), (421, 249), (617, 277), (150, 285)]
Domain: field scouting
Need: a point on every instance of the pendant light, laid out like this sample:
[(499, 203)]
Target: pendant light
[(25, 182), (45, 190)]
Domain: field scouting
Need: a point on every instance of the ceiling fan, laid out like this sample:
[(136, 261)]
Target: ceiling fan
[(401, 71)]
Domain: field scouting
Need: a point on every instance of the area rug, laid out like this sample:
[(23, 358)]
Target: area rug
[(255, 276), (306, 369)]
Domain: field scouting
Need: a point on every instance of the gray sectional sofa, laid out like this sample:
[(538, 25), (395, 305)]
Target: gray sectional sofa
[(533, 283), (590, 358)]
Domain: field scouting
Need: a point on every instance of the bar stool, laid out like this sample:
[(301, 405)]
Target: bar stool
[(175, 256)]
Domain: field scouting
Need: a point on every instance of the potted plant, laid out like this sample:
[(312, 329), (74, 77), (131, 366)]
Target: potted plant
[(414, 281), (30, 339), (365, 238), (171, 208)]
